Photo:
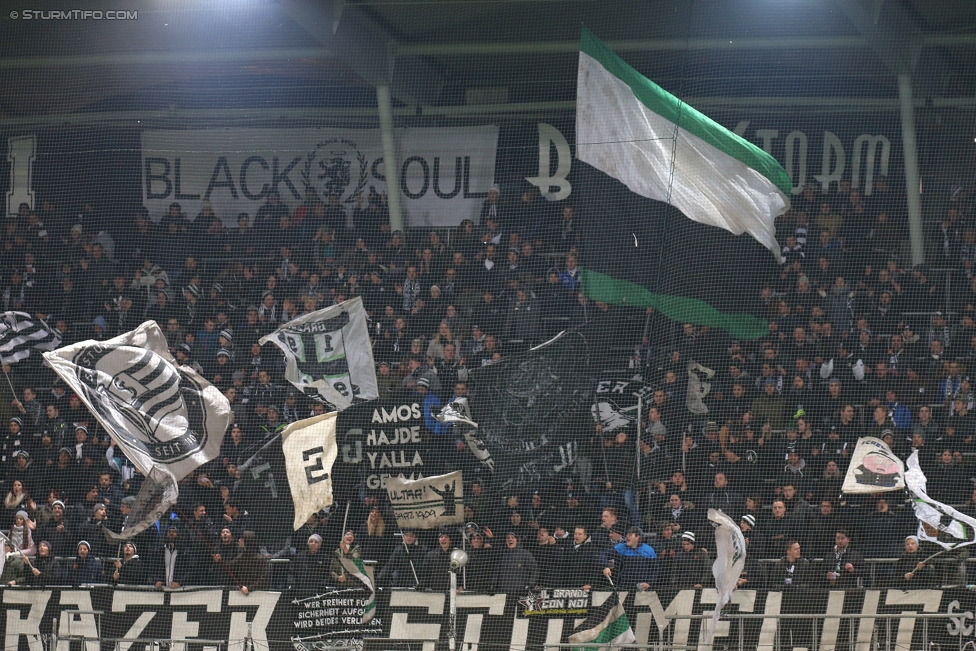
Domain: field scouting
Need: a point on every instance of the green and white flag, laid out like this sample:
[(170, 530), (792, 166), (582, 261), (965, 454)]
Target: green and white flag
[(328, 355), (613, 628), (937, 522), (636, 132), (356, 568)]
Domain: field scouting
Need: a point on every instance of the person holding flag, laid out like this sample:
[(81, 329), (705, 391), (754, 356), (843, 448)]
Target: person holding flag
[(632, 562)]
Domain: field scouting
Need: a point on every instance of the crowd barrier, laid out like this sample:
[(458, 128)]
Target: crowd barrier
[(101, 618)]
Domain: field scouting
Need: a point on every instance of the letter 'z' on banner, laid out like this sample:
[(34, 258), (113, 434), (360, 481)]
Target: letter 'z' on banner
[(310, 450), (328, 355), (427, 503), (166, 419)]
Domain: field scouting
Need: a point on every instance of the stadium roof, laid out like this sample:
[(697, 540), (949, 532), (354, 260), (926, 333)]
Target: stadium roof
[(254, 58)]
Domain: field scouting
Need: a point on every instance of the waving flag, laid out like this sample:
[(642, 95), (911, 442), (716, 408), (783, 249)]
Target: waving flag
[(167, 419), (937, 522), (358, 569), (20, 333), (730, 559), (310, 449), (874, 468), (328, 355), (607, 627)]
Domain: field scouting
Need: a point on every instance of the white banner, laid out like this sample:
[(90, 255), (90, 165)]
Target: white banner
[(445, 172), (874, 468), (328, 354), (167, 419), (937, 522), (310, 450), (427, 503)]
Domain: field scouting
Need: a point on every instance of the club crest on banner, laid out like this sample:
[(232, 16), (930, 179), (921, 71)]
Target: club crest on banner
[(329, 170), (152, 407)]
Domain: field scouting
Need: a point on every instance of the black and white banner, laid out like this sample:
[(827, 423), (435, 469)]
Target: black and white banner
[(445, 173), (427, 503), (282, 621), (328, 355), (379, 440), (874, 468), (20, 333), (166, 418)]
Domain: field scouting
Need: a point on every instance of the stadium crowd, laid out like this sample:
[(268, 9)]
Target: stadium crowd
[(857, 345)]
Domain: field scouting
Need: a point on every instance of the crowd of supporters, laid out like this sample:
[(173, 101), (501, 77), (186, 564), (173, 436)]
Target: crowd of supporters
[(857, 345)]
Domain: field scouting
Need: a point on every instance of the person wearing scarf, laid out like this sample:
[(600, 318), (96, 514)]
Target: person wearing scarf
[(21, 539)]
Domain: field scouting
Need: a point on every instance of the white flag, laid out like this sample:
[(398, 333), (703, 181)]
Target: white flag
[(730, 559), (167, 419), (328, 354), (310, 450), (937, 522), (874, 468), (427, 503)]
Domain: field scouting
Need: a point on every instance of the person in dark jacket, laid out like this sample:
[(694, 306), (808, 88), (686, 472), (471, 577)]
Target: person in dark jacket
[(791, 571), (310, 569), (632, 563), (57, 531), (515, 568), (580, 564), (225, 551), (479, 571), (844, 566), (177, 566), (406, 562), (250, 571), (690, 567), (129, 569), (86, 568), (437, 565), (45, 568), (910, 573)]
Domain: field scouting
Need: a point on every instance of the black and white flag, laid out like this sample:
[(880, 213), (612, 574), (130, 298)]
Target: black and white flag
[(20, 333), (167, 419), (328, 355)]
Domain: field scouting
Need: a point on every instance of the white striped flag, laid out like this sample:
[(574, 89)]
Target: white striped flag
[(20, 333)]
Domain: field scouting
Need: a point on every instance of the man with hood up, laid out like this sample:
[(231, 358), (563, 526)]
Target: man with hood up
[(632, 563), (515, 568)]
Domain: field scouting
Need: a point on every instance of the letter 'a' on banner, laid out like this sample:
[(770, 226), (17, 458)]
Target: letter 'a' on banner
[(328, 355), (874, 468), (167, 419), (310, 450), (427, 503)]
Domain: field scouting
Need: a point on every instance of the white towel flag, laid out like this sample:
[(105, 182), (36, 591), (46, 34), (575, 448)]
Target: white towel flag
[(328, 355), (310, 450), (427, 503), (937, 522), (166, 419), (730, 559), (874, 468)]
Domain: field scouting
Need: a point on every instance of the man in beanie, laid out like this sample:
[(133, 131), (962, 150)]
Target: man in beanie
[(755, 539), (515, 568), (85, 569), (403, 570), (94, 531), (57, 531), (632, 563), (310, 569), (691, 566), (128, 569)]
